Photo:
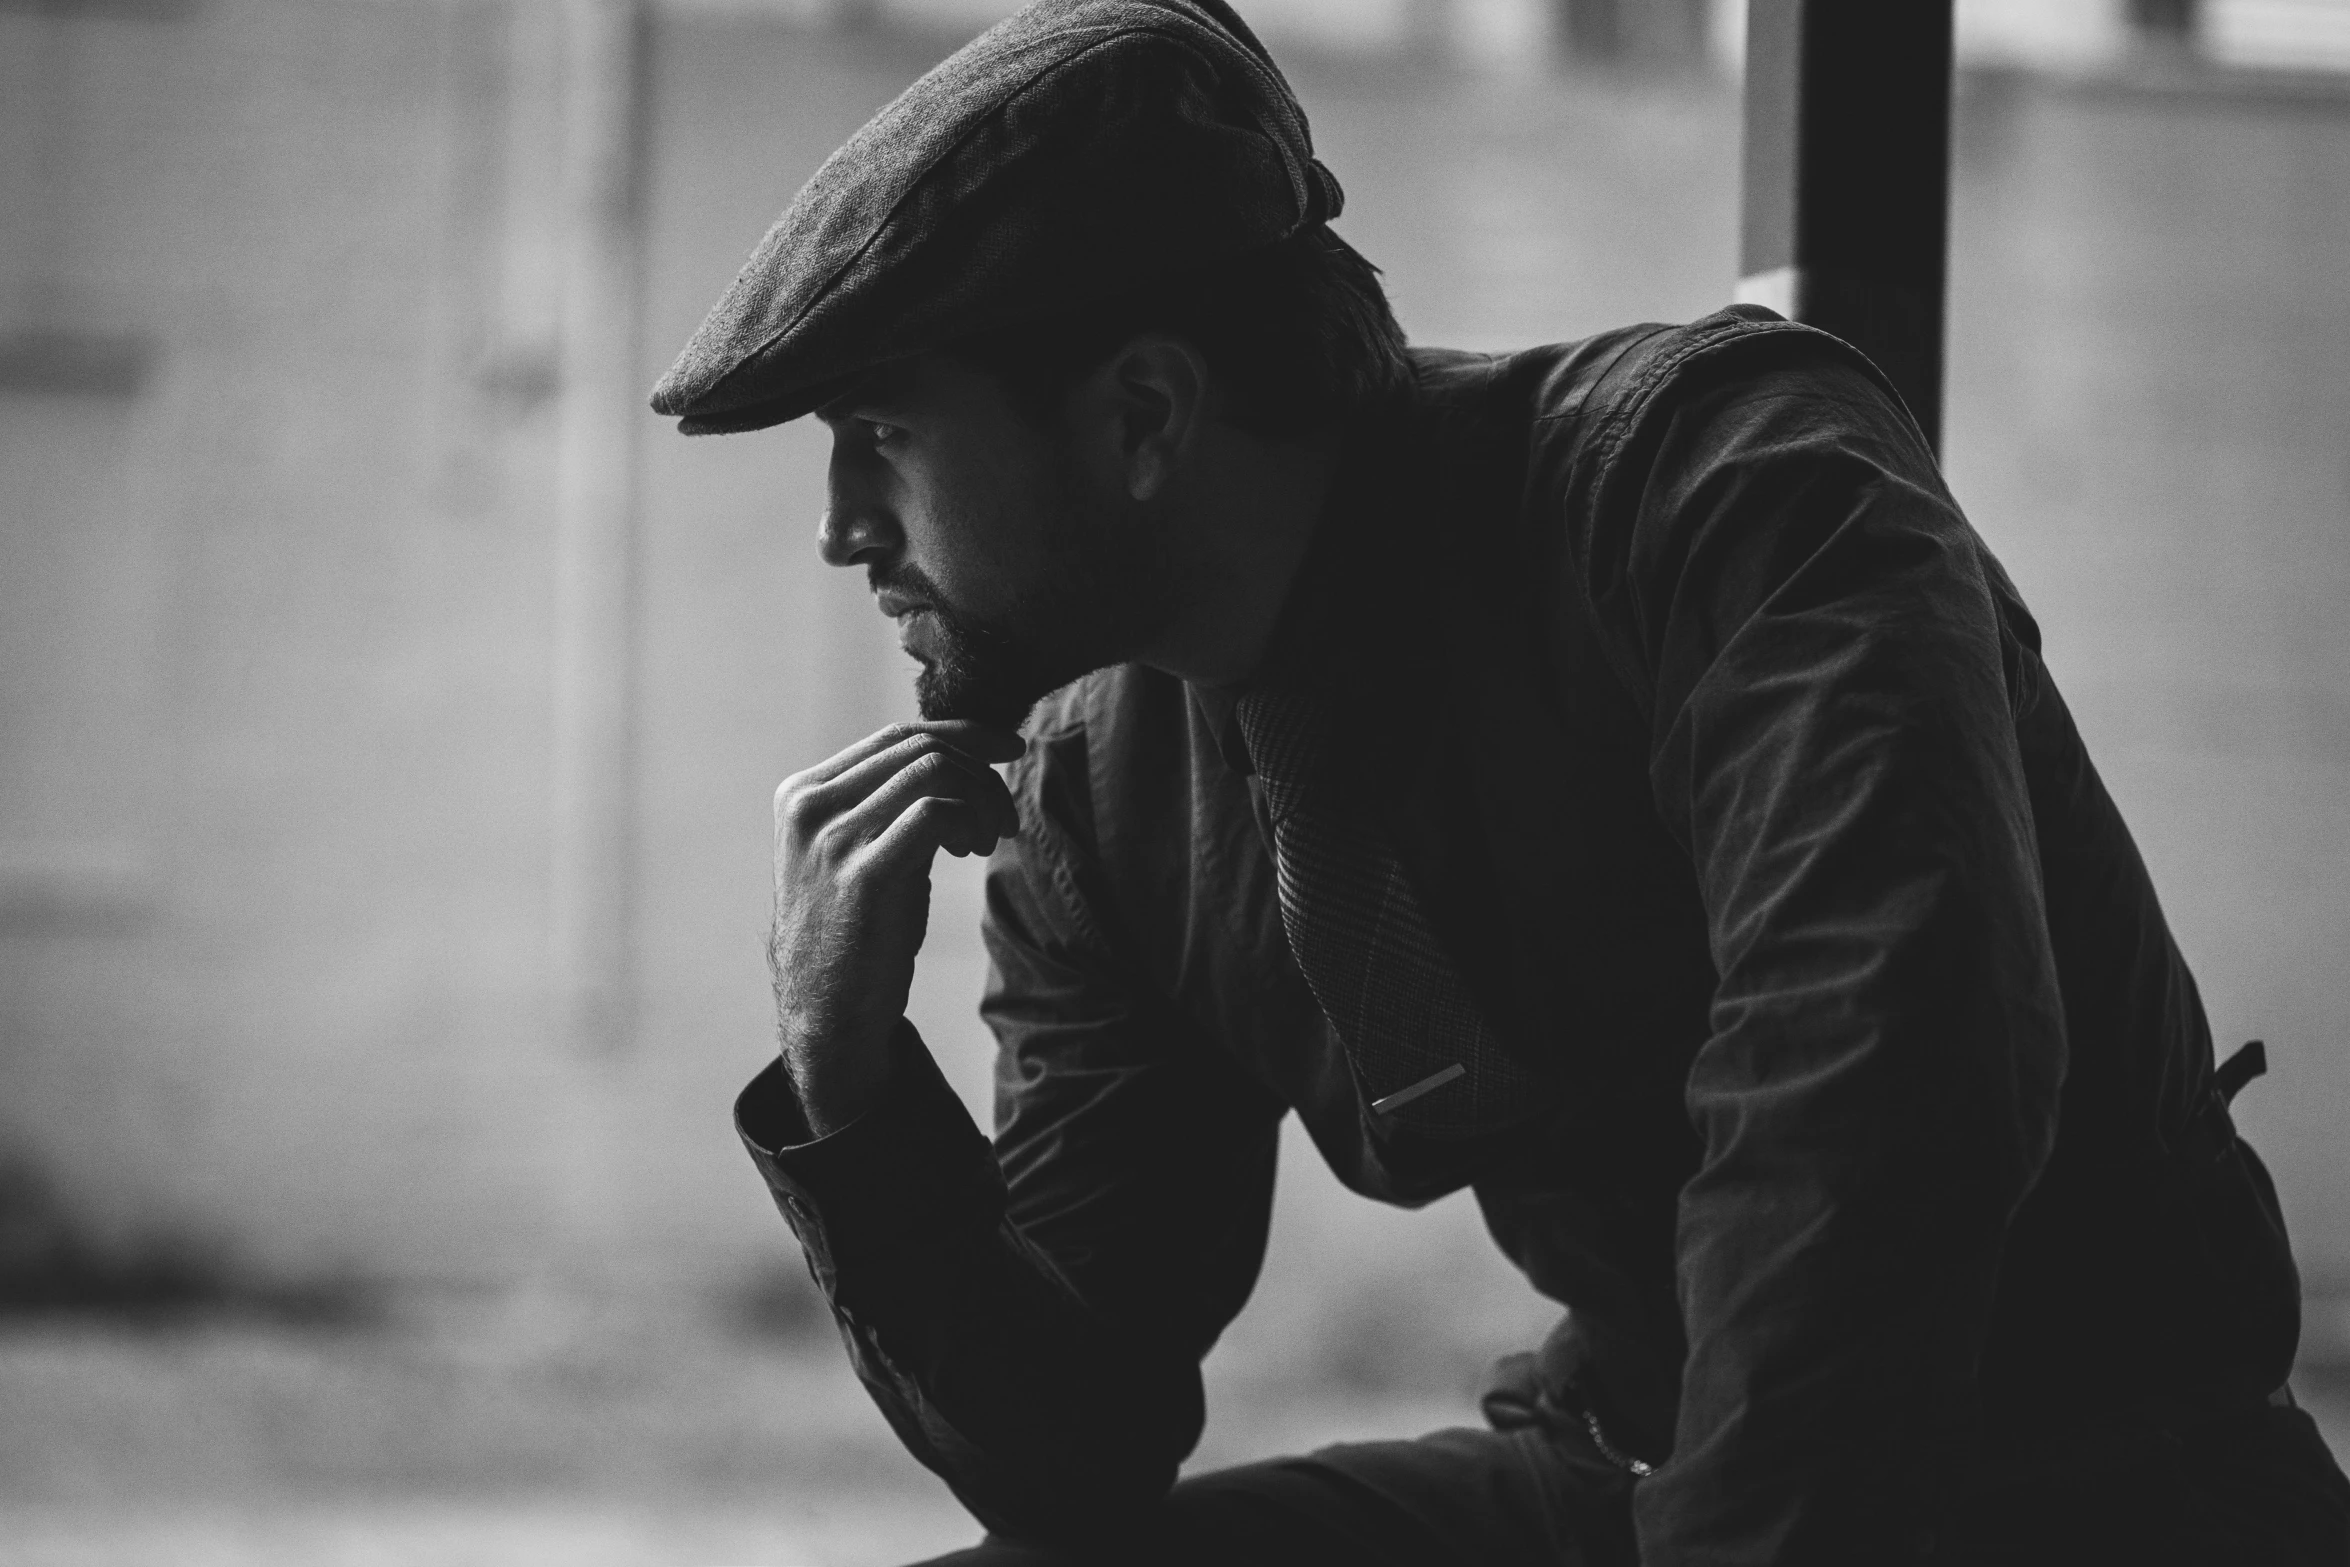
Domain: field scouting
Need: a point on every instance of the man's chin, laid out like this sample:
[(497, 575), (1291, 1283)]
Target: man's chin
[(979, 675), (939, 696)]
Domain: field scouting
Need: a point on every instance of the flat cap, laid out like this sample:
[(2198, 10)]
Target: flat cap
[(1075, 150)]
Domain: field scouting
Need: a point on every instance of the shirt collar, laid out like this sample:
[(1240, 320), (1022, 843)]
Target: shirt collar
[(1219, 708)]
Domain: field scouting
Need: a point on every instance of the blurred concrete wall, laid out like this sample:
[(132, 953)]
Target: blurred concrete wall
[(271, 738), (276, 559)]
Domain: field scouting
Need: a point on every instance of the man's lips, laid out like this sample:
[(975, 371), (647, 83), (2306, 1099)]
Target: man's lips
[(915, 618)]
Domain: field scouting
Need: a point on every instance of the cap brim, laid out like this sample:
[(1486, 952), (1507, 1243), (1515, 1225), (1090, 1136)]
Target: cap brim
[(761, 416)]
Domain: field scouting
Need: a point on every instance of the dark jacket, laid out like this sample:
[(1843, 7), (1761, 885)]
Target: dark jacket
[(1880, 1161)]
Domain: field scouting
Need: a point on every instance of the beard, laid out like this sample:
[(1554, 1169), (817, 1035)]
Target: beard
[(988, 676), (1102, 596)]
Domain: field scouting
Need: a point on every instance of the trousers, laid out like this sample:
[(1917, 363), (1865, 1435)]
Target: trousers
[(2255, 1488)]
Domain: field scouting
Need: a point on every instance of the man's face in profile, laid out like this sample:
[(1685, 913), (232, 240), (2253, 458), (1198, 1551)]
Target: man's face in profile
[(1005, 548)]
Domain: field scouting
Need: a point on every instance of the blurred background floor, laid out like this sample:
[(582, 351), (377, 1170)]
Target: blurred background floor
[(244, 1445), (587, 1444)]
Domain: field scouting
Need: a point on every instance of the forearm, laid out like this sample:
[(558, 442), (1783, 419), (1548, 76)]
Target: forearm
[(1048, 1418)]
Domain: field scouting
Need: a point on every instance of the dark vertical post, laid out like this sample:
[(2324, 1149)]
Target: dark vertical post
[(1847, 178)]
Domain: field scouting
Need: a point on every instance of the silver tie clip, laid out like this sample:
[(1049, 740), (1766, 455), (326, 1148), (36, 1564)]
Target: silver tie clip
[(1426, 1085)]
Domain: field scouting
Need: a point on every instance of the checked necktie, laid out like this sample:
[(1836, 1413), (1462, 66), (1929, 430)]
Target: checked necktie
[(1422, 1054)]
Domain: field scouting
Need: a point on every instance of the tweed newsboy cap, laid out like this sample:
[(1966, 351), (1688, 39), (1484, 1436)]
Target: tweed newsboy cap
[(1077, 149)]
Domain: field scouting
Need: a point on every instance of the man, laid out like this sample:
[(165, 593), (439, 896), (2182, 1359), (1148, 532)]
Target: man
[(1612, 777)]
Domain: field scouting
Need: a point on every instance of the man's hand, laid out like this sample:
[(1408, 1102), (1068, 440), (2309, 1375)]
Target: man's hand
[(854, 837)]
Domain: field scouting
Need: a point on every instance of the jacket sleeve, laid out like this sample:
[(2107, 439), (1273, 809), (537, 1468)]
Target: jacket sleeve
[(1030, 1316), (1783, 580)]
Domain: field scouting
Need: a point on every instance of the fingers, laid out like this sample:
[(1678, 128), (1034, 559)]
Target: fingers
[(807, 807), (931, 823), (982, 741), (983, 813)]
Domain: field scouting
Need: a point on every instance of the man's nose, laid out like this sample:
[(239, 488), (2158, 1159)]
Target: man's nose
[(855, 528), (850, 536)]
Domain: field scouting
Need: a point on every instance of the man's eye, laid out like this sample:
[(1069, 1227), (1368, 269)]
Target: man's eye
[(880, 434)]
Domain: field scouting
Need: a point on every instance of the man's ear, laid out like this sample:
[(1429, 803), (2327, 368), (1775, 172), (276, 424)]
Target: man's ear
[(1150, 400)]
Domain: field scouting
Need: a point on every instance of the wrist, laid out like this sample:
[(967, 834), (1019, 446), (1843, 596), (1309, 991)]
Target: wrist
[(835, 1079)]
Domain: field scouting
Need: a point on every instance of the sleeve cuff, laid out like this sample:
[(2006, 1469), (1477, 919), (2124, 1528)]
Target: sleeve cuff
[(905, 1172)]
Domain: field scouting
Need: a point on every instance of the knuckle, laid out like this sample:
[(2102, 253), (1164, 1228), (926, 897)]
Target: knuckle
[(824, 840)]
